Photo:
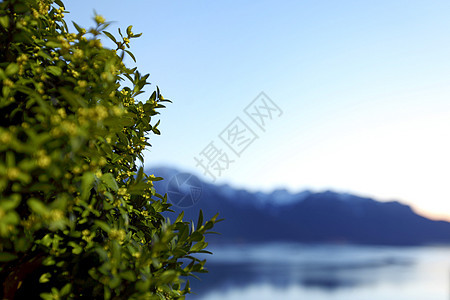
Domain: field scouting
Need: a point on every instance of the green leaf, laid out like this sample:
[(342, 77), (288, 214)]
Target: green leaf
[(199, 246), (129, 30), (180, 217), (53, 44), (155, 179), (66, 289), (140, 174), (137, 188), (37, 206), (200, 219), (77, 27), (10, 159), (4, 21), (54, 70), (12, 69), (59, 2), (168, 276), (115, 282), (128, 275), (110, 36), (103, 225), (10, 203), (155, 129), (196, 237), (77, 249), (208, 225), (45, 278), (87, 183), (143, 285), (74, 99), (131, 55), (46, 240), (46, 296), (110, 181), (5, 256)]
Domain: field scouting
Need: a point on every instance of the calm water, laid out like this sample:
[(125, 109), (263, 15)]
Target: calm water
[(335, 272)]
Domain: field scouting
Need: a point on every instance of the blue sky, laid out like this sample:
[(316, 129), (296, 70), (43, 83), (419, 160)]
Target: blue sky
[(363, 87)]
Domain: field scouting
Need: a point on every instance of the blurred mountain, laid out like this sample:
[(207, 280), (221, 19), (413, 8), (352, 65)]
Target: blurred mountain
[(324, 217)]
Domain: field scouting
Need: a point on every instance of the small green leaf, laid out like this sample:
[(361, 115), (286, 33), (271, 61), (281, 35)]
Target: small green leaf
[(200, 219), (156, 131), (10, 159), (46, 296), (12, 69), (140, 174), (143, 285), (131, 55), (11, 203), (77, 27), (54, 70), (180, 217), (37, 206), (4, 21), (53, 44), (128, 275), (74, 99), (87, 183), (209, 225), (59, 2), (129, 30), (45, 278), (115, 282), (5, 256), (77, 249), (168, 276), (110, 181), (196, 237), (199, 246), (103, 225), (66, 289), (110, 36)]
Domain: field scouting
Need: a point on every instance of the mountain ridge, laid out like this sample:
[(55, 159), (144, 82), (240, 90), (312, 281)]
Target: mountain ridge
[(309, 217)]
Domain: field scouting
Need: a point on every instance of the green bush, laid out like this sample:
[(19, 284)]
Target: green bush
[(78, 216)]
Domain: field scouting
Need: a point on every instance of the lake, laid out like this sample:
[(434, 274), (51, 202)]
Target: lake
[(335, 272)]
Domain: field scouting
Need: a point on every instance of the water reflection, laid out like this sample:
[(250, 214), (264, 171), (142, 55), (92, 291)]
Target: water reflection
[(324, 271)]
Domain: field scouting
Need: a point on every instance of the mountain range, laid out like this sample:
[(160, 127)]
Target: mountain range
[(307, 217)]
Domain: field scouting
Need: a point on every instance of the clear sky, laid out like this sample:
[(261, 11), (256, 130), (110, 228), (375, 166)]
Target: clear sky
[(363, 87)]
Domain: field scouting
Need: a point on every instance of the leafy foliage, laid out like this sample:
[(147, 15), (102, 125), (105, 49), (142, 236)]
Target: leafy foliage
[(78, 217)]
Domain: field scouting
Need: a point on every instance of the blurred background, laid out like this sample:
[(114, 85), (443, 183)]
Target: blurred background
[(319, 130)]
